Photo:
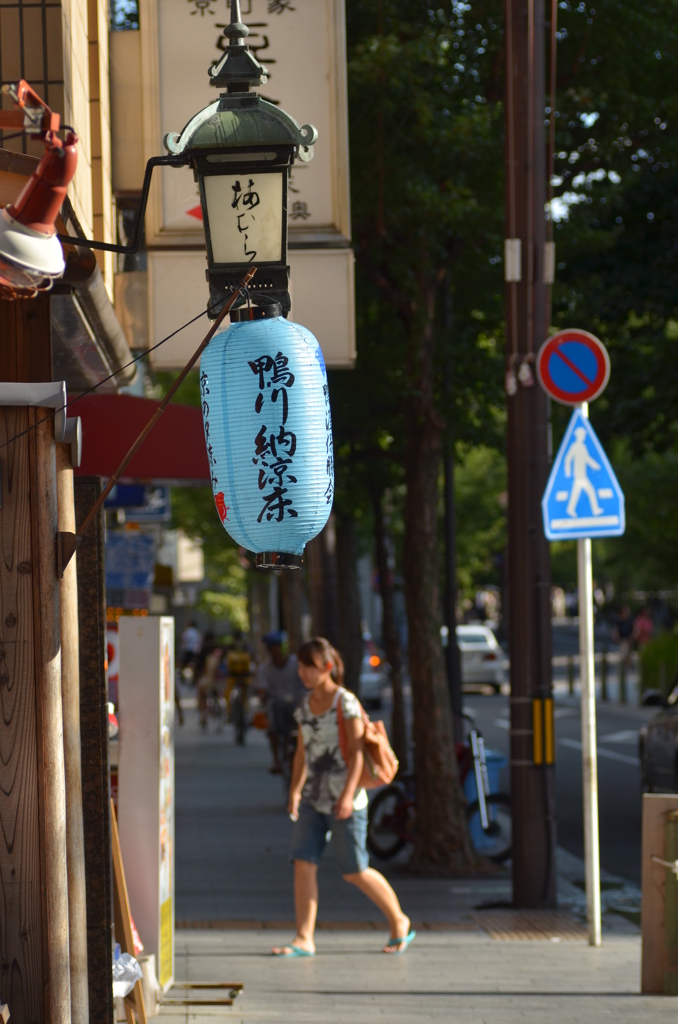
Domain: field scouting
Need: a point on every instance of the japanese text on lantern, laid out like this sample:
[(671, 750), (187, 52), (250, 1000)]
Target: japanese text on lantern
[(329, 493), (274, 447), (204, 392)]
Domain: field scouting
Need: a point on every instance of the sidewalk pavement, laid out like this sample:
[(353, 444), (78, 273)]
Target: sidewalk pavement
[(234, 901), (457, 978)]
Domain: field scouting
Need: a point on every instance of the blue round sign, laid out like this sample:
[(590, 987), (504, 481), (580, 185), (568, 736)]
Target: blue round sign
[(573, 367)]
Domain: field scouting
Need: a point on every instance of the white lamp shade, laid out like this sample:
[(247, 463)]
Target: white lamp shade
[(27, 251)]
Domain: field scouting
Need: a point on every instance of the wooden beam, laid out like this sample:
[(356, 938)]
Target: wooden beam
[(43, 493), (70, 695)]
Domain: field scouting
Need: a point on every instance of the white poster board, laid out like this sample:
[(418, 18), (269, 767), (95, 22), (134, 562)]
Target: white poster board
[(302, 43), (321, 289), (146, 781)]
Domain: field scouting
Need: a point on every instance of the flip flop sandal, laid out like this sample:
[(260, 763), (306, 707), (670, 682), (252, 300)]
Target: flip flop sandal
[(294, 951), (407, 939)]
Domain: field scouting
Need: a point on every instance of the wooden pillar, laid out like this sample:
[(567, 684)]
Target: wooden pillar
[(50, 722), (22, 933), (34, 939), (70, 695), (95, 767), (655, 957)]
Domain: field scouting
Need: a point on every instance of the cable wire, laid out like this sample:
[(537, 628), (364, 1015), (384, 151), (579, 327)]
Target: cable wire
[(110, 376)]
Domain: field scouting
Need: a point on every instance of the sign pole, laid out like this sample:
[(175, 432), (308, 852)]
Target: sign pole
[(587, 671), (573, 367)]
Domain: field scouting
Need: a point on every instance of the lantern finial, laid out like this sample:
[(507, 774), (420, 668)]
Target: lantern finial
[(238, 69), (236, 31)]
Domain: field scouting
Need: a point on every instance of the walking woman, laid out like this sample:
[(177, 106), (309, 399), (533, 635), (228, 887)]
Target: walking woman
[(324, 798)]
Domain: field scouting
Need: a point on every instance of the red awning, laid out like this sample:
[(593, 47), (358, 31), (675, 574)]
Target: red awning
[(174, 451)]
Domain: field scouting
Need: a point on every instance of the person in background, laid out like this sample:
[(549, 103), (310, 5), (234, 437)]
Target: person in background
[(191, 644), (643, 628), (622, 634), (206, 668), (278, 681)]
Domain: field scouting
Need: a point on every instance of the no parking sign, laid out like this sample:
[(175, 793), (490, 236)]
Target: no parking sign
[(573, 367)]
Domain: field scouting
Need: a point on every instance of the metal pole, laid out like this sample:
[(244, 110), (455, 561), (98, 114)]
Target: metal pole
[(588, 736)]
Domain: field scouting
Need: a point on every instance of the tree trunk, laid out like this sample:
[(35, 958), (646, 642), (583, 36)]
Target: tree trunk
[(321, 576), (291, 593), (348, 602), (442, 843), (452, 652), (389, 635)]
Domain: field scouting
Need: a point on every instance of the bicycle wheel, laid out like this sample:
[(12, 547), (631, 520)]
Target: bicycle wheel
[(386, 823), (495, 841)]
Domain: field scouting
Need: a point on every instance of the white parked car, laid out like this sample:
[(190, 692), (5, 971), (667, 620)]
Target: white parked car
[(482, 659)]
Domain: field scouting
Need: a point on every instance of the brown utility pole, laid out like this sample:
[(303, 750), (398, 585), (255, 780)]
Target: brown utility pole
[(532, 770)]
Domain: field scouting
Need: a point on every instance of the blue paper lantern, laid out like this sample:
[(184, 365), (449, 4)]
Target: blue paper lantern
[(268, 431)]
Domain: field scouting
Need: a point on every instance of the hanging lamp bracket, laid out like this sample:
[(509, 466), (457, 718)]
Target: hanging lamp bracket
[(135, 245)]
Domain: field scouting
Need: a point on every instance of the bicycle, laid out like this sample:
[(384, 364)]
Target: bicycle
[(238, 709), (237, 692), (392, 816), (214, 709)]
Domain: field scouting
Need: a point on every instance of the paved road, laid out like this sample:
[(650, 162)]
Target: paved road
[(618, 775)]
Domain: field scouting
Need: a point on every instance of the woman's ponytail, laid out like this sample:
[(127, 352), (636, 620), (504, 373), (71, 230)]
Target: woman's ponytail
[(338, 670)]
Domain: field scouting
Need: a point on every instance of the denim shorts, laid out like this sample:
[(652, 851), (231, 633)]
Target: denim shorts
[(348, 839)]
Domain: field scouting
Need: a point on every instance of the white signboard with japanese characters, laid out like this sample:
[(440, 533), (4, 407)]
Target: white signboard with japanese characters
[(302, 44)]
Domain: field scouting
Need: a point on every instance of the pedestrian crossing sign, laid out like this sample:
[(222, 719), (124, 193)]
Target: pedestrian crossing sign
[(582, 497)]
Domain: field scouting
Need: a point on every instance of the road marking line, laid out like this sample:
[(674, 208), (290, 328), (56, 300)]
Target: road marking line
[(611, 755), (624, 736)]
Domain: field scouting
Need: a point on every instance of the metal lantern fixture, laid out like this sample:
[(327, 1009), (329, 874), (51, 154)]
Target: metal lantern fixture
[(241, 149), (266, 413)]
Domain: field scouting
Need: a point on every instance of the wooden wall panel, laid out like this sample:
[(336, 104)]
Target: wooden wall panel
[(21, 924), (24, 328)]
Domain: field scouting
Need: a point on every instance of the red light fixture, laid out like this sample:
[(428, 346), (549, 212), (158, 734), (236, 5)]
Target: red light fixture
[(31, 257)]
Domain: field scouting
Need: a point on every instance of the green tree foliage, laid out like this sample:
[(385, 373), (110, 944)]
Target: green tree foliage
[(646, 557), (617, 171)]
